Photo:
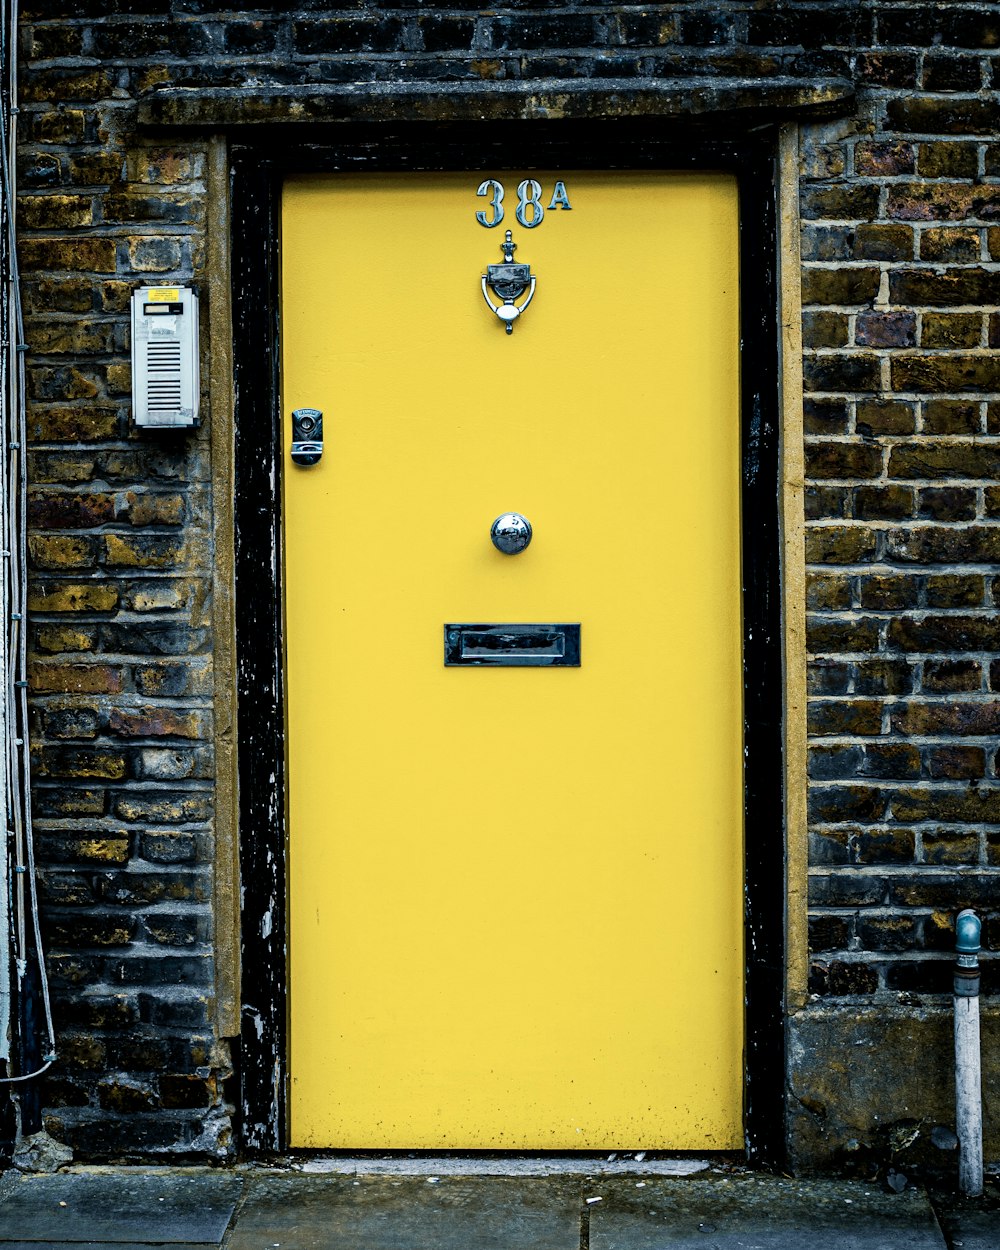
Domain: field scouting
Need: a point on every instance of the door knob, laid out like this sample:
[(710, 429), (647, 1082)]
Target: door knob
[(511, 533)]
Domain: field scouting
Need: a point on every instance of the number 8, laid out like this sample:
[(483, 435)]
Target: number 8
[(524, 201)]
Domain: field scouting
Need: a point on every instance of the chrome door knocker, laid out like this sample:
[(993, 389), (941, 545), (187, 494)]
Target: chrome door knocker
[(508, 281)]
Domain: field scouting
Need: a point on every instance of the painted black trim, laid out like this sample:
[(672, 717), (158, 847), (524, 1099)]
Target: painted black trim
[(259, 658), (258, 170)]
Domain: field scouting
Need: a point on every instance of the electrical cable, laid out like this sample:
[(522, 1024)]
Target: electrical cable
[(17, 578)]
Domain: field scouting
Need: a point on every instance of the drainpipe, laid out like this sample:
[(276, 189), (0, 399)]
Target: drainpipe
[(968, 1080)]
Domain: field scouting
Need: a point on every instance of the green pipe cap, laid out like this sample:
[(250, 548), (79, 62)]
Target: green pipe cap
[(968, 928)]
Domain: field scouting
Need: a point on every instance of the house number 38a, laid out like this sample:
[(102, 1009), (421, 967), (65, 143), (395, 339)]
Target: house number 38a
[(529, 211)]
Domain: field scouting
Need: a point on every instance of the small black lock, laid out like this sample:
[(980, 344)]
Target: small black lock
[(307, 436)]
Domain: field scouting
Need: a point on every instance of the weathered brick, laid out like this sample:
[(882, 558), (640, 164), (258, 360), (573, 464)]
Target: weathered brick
[(888, 933), (57, 125), (829, 933), (156, 722), (91, 255), (956, 590), (163, 807), (884, 158), (950, 243), (947, 160), (824, 416), (144, 551), (825, 503), (80, 763), (882, 241), (875, 503), (920, 114), (956, 763), (887, 69), (975, 804), (58, 212), (837, 544), (835, 460), (947, 72), (946, 503), (828, 592), (942, 287), (880, 416), (883, 846), (91, 423), (75, 678), (81, 849), (951, 329), (126, 1097), (53, 639), (827, 676), (72, 597), (952, 675), (951, 416), (71, 722), (944, 633), (836, 804), (891, 760), (836, 718), (945, 460), (856, 285), (888, 592), (853, 371), (61, 551), (883, 676), (945, 846), (953, 717), (825, 636), (825, 329), (839, 202), (834, 763), (839, 978), (886, 329)]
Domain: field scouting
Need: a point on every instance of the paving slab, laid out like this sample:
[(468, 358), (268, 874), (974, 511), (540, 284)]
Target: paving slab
[(408, 1213), (103, 1245), (758, 1213), (971, 1229), (119, 1209)]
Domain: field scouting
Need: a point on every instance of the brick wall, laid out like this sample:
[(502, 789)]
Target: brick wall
[(900, 291), (900, 245)]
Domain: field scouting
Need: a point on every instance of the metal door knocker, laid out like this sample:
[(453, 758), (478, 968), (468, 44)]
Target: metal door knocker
[(508, 281)]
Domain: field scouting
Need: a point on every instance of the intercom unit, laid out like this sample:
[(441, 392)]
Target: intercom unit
[(165, 382)]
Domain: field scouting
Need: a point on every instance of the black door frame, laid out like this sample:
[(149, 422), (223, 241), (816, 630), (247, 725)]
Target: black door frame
[(257, 171)]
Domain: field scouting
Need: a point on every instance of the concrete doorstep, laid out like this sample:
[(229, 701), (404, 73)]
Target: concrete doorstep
[(259, 1208)]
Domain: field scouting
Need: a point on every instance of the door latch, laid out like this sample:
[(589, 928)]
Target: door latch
[(307, 436)]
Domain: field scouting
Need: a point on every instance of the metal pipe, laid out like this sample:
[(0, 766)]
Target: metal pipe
[(968, 1077)]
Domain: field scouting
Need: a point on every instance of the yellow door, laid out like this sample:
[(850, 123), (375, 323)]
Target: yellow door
[(515, 891)]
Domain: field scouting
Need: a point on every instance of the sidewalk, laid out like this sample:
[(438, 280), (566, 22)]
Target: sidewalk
[(541, 1205)]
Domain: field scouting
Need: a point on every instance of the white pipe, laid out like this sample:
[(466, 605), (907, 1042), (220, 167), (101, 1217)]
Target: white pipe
[(968, 1075), (968, 1097)]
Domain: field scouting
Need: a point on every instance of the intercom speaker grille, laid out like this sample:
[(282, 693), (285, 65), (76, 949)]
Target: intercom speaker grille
[(164, 366)]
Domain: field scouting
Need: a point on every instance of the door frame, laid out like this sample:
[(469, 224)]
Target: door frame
[(257, 171)]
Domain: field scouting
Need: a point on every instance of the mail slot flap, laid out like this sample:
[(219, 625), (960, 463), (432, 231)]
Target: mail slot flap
[(515, 645)]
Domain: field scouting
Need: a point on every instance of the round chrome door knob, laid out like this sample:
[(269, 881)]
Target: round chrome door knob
[(511, 533)]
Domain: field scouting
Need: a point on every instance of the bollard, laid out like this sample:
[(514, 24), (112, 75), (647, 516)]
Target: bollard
[(968, 1080)]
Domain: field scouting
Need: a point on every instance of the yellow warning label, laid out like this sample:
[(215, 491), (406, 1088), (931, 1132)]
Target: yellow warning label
[(164, 295)]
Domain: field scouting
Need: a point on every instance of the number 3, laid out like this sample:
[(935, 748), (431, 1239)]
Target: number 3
[(496, 203)]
